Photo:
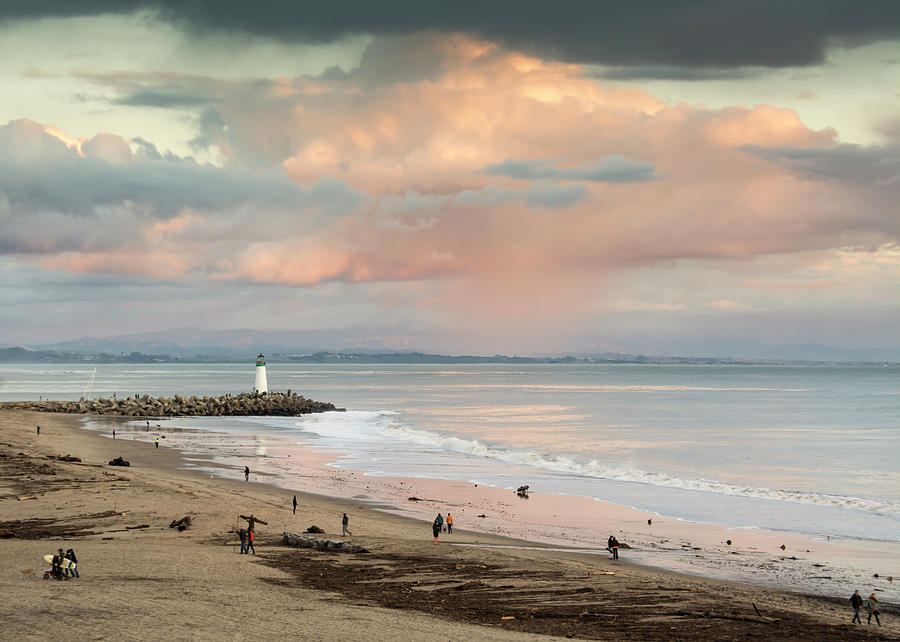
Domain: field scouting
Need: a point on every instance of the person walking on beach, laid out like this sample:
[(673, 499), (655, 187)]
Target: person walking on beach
[(440, 521), (56, 564), (856, 603), (295, 504), (243, 535), (70, 555), (156, 441), (114, 433), (250, 539), (872, 605), (345, 523), (449, 523), (436, 528), (246, 473), (39, 430), (612, 545)]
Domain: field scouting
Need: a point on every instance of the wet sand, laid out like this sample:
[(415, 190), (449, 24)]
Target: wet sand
[(153, 582)]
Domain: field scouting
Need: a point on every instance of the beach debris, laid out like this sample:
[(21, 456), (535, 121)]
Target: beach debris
[(252, 521), (876, 574), (482, 515), (466, 586), (650, 522), (131, 528), (68, 458), (181, 524), (522, 491), (26, 497), (783, 547), (6, 534), (601, 573), (118, 461), (728, 542), (508, 617), (313, 529), (413, 499), (756, 609), (320, 544)]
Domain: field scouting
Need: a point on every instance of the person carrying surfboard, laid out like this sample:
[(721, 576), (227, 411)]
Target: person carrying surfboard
[(73, 568), (57, 564)]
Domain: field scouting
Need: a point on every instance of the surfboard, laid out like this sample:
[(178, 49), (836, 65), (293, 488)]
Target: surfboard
[(66, 564)]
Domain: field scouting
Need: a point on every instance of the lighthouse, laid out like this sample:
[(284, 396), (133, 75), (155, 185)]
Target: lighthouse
[(260, 386)]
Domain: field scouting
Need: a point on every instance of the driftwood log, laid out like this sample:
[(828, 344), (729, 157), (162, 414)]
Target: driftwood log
[(321, 544), (181, 524), (252, 521)]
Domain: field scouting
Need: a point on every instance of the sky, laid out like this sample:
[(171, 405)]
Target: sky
[(504, 177)]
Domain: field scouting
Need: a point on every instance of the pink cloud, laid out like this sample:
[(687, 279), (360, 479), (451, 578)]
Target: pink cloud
[(415, 149)]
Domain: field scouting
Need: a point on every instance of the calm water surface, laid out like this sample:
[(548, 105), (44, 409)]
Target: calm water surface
[(807, 449)]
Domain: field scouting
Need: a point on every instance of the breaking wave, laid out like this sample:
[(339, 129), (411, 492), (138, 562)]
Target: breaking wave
[(360, 428)]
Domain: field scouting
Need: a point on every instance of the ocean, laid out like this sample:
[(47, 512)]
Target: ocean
[(805, 449)]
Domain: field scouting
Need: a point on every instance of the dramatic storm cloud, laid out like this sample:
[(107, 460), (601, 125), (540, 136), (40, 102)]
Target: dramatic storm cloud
[(728, 33)]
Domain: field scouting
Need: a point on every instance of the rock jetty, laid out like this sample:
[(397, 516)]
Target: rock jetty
[(278, 404)]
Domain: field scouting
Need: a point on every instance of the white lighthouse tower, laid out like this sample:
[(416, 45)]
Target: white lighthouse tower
[(260, 386)]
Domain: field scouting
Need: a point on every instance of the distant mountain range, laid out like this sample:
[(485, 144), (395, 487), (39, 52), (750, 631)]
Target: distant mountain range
[(193, 344)]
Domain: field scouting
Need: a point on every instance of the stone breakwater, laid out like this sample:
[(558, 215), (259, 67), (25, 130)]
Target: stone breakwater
[(246, 404)]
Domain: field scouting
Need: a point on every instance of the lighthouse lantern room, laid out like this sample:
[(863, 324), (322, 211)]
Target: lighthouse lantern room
[(260, 386)]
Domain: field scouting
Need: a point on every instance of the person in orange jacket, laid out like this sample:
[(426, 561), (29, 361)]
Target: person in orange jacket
[(449, 522)]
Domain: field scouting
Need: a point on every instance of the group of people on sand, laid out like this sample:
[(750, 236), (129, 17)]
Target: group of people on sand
[(439, 523), (59, 560), (856, 601), (247, 540)]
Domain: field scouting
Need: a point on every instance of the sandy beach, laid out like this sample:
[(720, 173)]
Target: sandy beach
[(142, 580)]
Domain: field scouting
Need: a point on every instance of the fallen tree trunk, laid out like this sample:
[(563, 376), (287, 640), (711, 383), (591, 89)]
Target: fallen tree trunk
[(321, 544)]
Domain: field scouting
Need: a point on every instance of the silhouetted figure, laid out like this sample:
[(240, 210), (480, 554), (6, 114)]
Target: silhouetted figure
[(246, 473), (345, 523), (295, 504)]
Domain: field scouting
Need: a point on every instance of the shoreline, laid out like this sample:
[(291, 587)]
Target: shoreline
[(195, 580), (808, 564)]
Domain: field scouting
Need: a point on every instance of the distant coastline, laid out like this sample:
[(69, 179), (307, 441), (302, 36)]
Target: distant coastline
[(23, 355)]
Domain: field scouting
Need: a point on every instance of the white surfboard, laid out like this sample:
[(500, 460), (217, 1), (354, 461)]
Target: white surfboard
[(66, 564)]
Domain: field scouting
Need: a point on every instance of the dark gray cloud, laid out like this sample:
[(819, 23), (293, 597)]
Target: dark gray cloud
[(166, 100), (666, 72), (609, 169), (676, 33), (873, 166)]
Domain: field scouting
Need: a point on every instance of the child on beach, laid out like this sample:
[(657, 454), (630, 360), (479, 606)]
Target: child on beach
[(436, 528)]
